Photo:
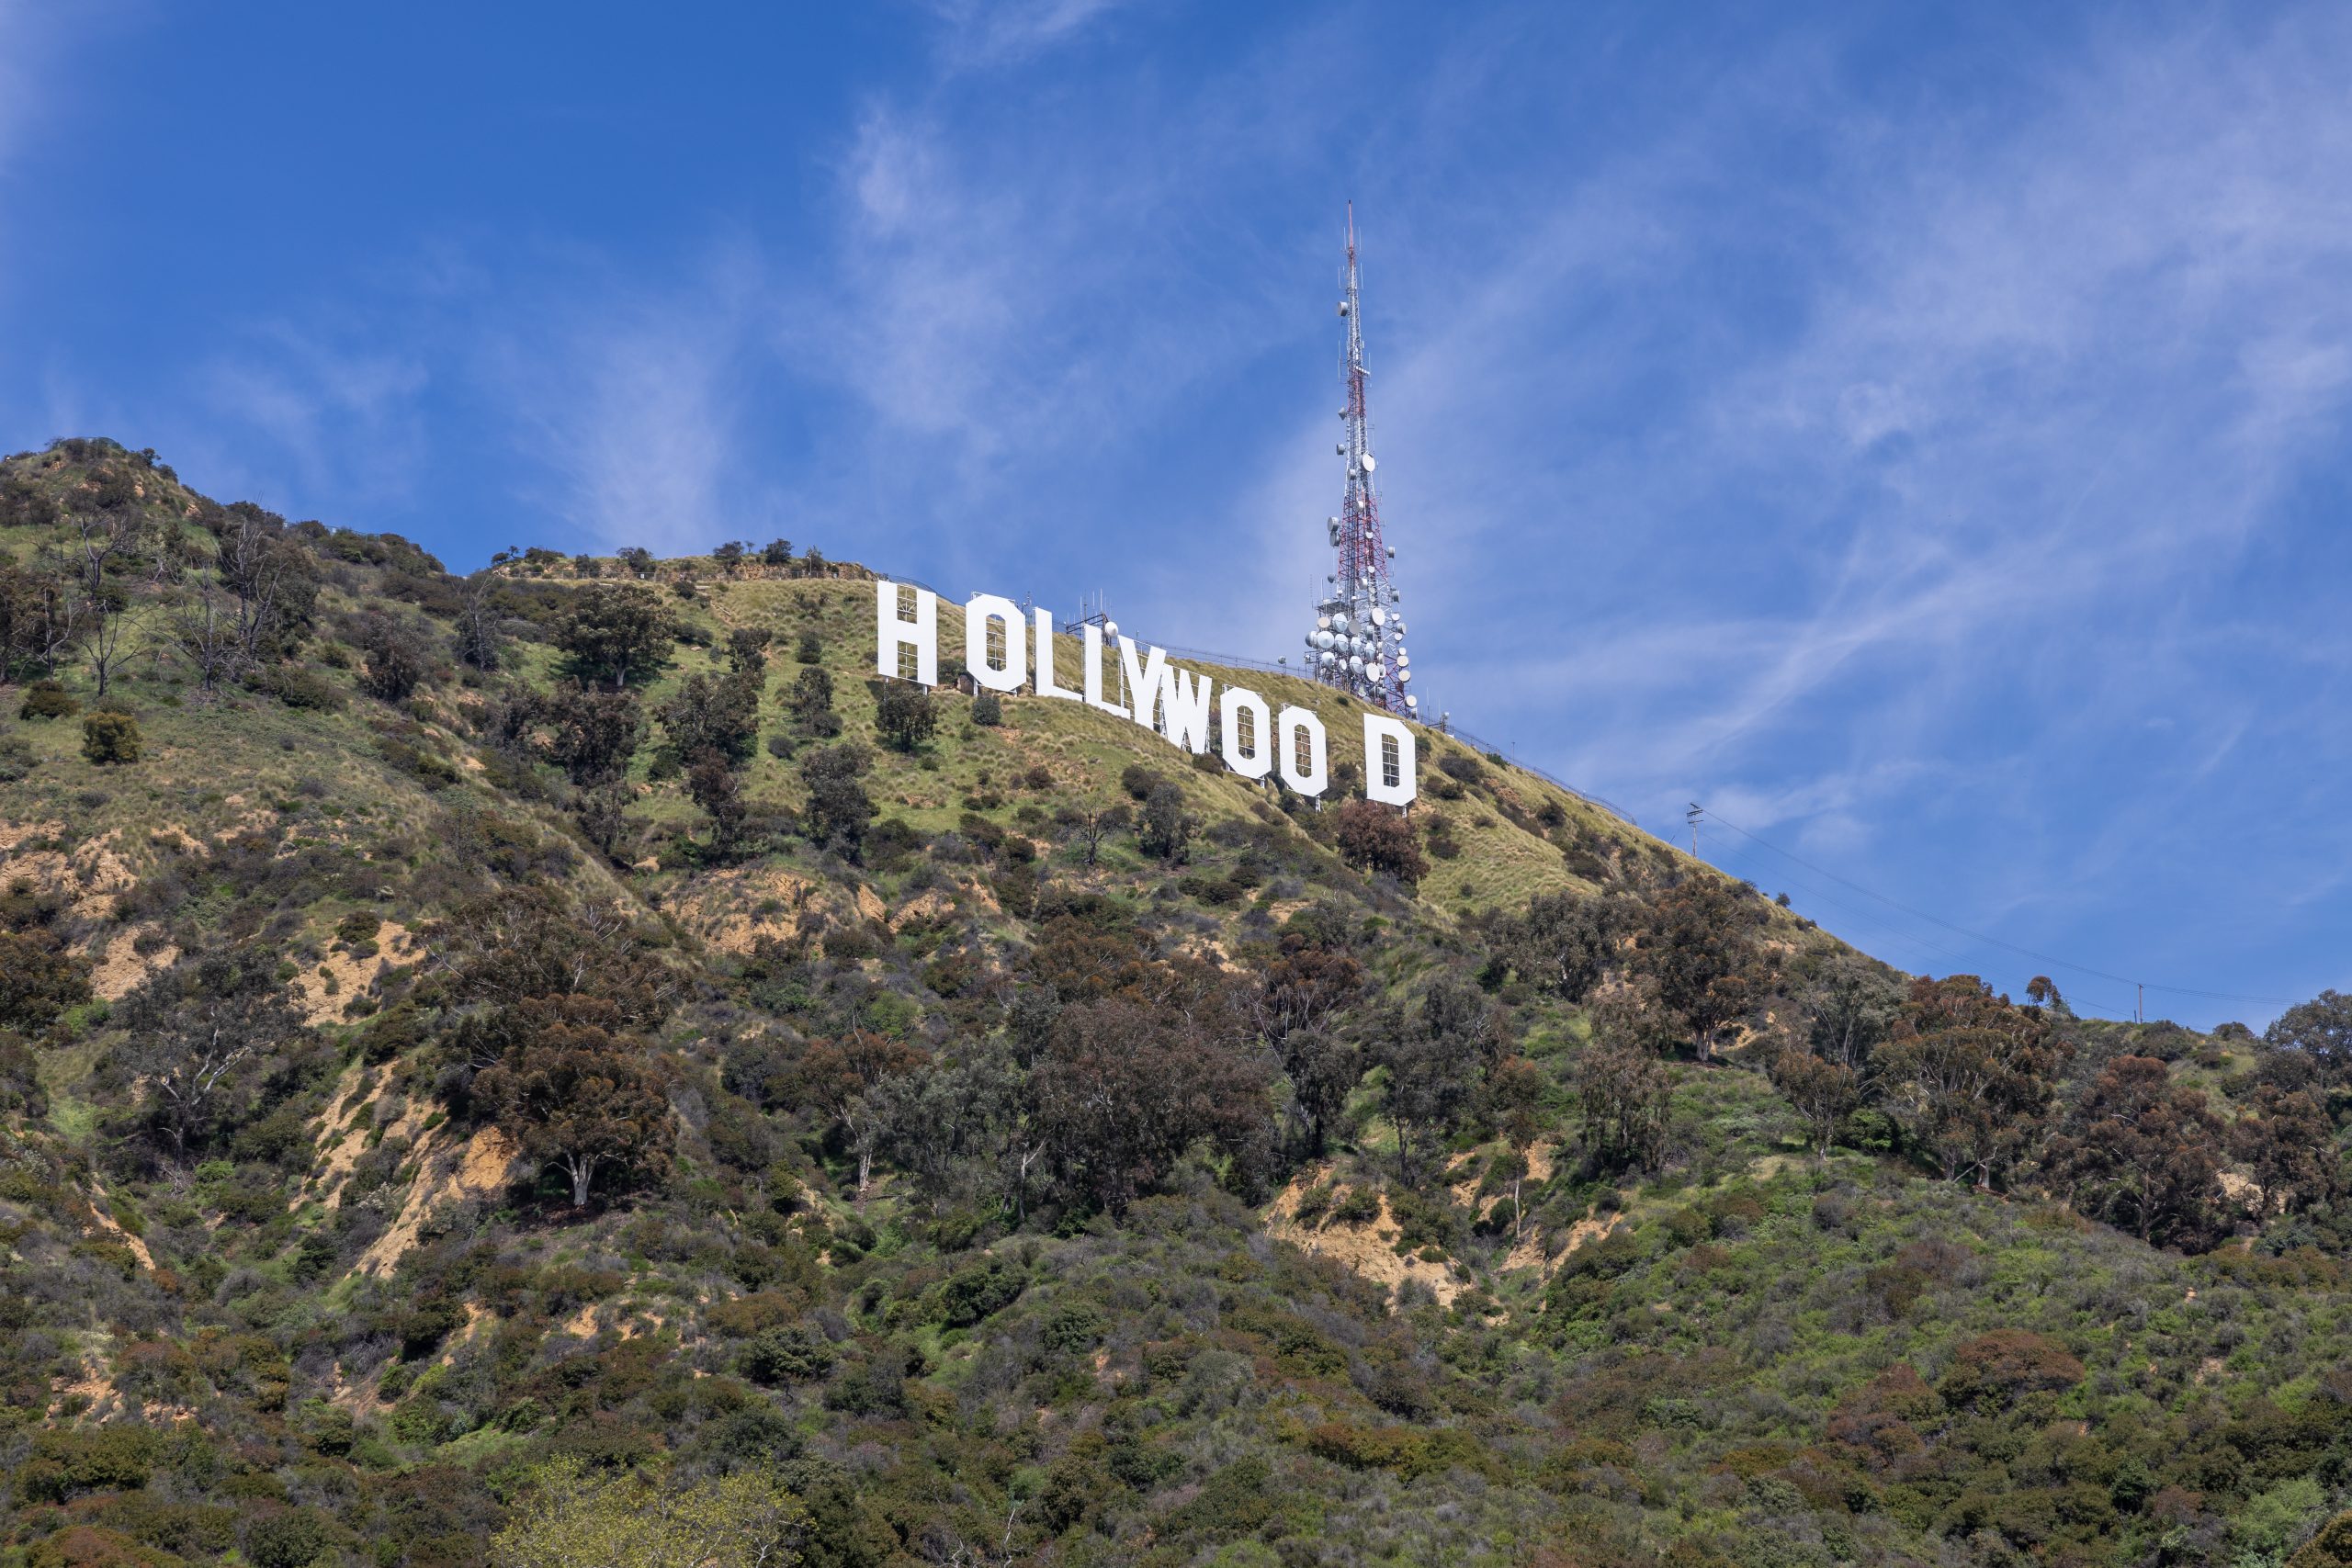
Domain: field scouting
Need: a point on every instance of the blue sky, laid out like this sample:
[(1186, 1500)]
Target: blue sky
[(1921, 439)]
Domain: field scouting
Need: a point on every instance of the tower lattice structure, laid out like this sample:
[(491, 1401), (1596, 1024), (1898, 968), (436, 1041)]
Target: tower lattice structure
[(1358, 643)]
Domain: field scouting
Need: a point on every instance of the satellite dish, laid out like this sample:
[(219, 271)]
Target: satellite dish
[(1343, 307), (1356, 665), (1322, 622), (1411, 701), (1110, 628), (1368, 463), (1379, 617), (1340, 447), (1392, 552), (1339, 623), (1403, 659), (1373, 671), (1404, 674)]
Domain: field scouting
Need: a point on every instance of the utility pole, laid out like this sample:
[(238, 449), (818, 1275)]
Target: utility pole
[(2139, 1005), (1692, 817)]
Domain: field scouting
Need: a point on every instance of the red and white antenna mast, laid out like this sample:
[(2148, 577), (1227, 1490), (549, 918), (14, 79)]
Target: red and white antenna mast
[(1358, 642)]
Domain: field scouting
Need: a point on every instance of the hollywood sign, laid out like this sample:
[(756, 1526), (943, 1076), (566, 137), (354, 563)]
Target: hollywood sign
[(1004, 653)]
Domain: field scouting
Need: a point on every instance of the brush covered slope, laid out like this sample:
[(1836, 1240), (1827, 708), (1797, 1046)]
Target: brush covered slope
[(561, 1063)]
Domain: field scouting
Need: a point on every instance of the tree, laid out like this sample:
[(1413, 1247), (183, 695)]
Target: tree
[(904, 714), (844, 1078), (717, 789), (987, 709), (567, 1518), (396, 660), (1823, 1092), (1699, 940), (1164, 828), (637, 559), (1436, 1060), (590, 734), (205, 639), (111, 642), (1565, 941), (776, 552), (2287, 1147), (273, 577), (576, 1093), (110, 737), (614, 631), (195, 1029), (808, 704), (525, 943), (39, 980), (2142, 1150), (1848, 1012), (747, 651), (1969, 1076), (1376, 838), (1515, 1099), (1622, 1098), (1301, 989), (721, 715), (837, 809), (1125, 1089), (1090, 827), (480, 640), (2321, 1028)]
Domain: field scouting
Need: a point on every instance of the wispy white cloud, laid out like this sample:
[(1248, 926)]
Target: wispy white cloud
[(983, 33), (628, 404)]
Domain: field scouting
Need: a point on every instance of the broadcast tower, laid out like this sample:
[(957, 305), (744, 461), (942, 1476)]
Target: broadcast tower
[(1358, 643)]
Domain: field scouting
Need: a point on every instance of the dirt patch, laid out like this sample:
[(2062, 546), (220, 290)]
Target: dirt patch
[(322, 1002), (15, 833), (447, 1172), (870, 905), (929, 904), (725, 908), (1534, 1250), (90, 876), (1368, 1251), (102, 1220), (338, 1135), (120, 968)]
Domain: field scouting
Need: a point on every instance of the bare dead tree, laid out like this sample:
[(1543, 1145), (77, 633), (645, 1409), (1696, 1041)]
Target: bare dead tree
[(208, 640), (102, 538), (255, 570), (113, 642)]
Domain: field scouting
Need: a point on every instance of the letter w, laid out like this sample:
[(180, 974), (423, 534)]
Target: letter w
[(1184, 708)]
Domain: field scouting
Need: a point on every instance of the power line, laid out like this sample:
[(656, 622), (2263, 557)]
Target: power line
[(1991, 940)]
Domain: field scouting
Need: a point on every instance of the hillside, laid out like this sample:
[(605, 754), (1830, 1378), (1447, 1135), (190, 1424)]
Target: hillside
[(480, 1055)]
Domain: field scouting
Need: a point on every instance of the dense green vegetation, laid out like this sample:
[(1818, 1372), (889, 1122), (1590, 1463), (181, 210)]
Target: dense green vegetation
[(561, 1062)]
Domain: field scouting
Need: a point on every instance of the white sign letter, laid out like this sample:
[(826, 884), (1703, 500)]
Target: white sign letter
[(906, 619), (984, 609), (1094, 672), (1309, 775), (1389, 763), (1143, 682), (1184, 708), (1044, 683), (1250, 754)]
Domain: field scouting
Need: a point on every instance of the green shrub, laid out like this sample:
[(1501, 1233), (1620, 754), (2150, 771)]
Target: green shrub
[(47, 699), (110, 739), (793, 1353)]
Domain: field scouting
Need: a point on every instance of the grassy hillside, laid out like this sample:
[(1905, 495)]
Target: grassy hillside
[(461, 1085)]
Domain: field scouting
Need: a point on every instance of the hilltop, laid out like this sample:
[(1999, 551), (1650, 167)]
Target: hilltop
[(474, 1046)]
